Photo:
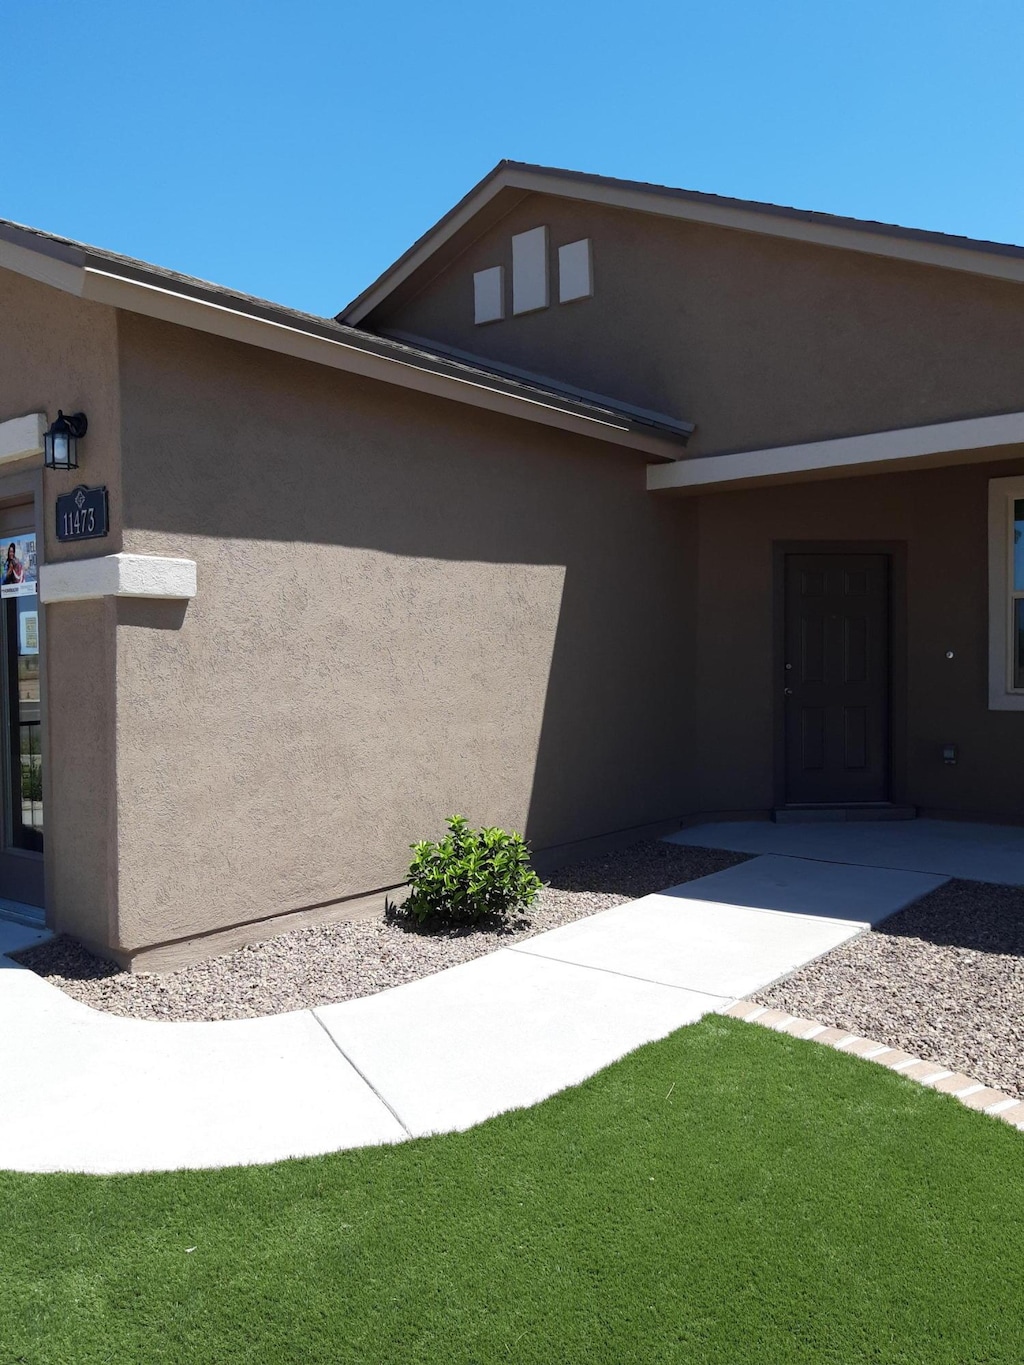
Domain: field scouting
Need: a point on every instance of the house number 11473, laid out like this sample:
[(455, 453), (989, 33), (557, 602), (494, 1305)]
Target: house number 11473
[(78, 523), (82, 514)]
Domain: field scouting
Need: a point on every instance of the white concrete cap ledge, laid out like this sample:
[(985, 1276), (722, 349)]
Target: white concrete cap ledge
[(21, 437), (120, 575)]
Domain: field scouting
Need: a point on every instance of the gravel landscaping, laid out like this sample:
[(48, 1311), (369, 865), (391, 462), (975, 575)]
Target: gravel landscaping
[(943, 979), (332, 962)]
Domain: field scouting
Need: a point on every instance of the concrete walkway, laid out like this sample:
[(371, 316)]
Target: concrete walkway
[(950, 848), (82, 1090)]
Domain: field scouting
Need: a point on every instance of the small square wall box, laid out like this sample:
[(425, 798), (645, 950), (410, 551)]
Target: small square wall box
[(530, 270), (489, 295), (575, 271)]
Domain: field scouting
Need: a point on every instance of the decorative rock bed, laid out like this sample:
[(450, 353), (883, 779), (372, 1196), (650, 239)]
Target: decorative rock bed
[(943, 979), (331, 962)]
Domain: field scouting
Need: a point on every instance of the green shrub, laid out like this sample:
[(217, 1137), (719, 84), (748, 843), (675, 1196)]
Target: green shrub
[(470, 874)]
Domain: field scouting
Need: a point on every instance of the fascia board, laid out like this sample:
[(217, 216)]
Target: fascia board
[(427, 246), (867, 240), (941, 443), (220, 320), (39, 265)]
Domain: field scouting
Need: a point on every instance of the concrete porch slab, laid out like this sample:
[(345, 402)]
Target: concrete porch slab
[(803, 886), (500, 1032), (947, 848)]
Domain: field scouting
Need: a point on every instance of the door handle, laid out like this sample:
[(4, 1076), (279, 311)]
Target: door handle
[(788, 691)]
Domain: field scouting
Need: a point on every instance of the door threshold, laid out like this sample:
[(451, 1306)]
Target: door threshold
[(14, 912), (806, 815)]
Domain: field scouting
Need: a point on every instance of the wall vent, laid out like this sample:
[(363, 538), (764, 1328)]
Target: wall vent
[(530, 270), (489, 294), (575, 271), (530, 277)]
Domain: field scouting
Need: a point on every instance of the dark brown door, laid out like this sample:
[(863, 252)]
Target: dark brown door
[(836, 678)]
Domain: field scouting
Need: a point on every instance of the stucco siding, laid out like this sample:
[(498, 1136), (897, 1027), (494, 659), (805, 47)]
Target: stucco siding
[(937, 520), (406, 608), (758, 340), (81, 810), (59, 351)]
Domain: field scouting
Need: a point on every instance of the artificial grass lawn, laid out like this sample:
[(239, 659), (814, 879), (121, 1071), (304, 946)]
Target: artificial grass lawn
[(728, 1195)]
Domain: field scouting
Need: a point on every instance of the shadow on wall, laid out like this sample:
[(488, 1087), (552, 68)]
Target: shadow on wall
[(437, 509)]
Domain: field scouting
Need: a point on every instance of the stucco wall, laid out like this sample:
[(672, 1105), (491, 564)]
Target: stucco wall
[(406, 608), (940, 519), (758, 340), (59, 351)]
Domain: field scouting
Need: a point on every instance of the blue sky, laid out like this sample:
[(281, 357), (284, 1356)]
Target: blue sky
[(294, 149)]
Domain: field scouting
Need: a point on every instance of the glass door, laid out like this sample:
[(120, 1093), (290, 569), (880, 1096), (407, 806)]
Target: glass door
[(21, 845)]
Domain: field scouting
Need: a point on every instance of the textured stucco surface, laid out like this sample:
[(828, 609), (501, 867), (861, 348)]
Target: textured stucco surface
[(408, 607), (939, 520), (58, 351), (405, 608), (61, 352), (759, 340), (81, 830)]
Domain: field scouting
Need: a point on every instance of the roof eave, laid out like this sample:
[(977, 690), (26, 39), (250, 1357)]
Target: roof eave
[(964, 441), (286, 339), (995, 259), (65, 267)]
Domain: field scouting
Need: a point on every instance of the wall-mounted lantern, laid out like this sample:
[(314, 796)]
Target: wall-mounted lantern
[(60, 443)]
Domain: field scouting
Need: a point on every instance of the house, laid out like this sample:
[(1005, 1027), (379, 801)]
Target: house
[(607, 507)]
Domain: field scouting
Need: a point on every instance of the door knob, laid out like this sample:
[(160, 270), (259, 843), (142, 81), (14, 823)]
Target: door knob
[(788, 691)]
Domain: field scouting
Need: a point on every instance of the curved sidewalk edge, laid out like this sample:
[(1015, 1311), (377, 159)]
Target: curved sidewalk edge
[(973, 1093), (96, 1093), (82, 1090)]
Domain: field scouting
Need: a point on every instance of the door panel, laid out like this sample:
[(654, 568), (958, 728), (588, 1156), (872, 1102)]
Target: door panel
[(836, 678)]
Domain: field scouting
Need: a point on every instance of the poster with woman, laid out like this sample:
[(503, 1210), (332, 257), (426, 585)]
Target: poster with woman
[(18, 567)]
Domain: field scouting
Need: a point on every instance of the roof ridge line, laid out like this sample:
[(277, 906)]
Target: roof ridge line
[(1003, 260)]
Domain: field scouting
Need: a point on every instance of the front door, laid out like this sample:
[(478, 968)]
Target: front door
[(836, 678), (21, 747)]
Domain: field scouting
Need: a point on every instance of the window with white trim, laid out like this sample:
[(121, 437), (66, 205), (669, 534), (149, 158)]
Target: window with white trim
[(1006, 594)]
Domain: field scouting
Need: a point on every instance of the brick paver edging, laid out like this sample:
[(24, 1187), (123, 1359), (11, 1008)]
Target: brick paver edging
[(968, 1091)]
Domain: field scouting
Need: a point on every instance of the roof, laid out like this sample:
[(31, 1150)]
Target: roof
[(123, 282), (511, 181), (968, 440)]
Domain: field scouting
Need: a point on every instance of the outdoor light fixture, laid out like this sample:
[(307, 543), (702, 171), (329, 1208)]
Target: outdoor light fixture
[(60, 444)]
